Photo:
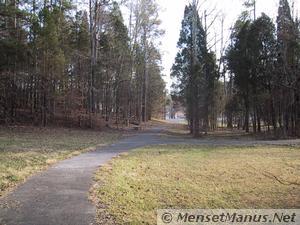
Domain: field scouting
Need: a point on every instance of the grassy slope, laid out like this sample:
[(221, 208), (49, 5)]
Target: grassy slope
[(24, 151), (134, 185)]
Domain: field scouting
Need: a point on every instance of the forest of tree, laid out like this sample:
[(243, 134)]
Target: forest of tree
[(260, 67), (80, 66), (84, 65), (263, 59)]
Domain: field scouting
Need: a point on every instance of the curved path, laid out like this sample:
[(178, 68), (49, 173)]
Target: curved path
[(59, 196)]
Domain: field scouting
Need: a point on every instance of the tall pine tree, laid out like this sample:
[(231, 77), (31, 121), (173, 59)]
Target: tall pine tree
[(189, 68)]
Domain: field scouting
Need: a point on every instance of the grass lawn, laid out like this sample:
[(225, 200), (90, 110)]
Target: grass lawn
[(133, 186), (26, 150)]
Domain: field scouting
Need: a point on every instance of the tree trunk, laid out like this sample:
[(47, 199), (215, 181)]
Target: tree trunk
[(247, 116), (258, 121)]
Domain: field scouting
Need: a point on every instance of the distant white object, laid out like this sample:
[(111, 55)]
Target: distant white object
[(178, 120)]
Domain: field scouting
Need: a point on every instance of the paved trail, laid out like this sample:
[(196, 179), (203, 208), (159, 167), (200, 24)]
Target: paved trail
[(59, 196)]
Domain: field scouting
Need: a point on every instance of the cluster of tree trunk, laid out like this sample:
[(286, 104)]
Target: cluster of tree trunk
[(264, 86), (59, 65)]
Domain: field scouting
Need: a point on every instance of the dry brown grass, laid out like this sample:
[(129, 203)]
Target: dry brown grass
[(26, 150), (133, 186)]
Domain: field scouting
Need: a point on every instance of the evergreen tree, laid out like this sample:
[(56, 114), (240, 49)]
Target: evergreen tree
[(13, 52), (114, 59), (239, 63), (193, 68), (262, 45), (251, 59), (286, 63)]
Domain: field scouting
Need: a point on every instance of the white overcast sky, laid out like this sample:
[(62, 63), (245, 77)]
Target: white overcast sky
[(172, 13)]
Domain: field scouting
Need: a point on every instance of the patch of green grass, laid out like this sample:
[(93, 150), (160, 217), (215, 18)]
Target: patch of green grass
[(133, 186), (26, 150)]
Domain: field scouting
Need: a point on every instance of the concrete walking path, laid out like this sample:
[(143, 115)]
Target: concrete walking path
[(59, 195)]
